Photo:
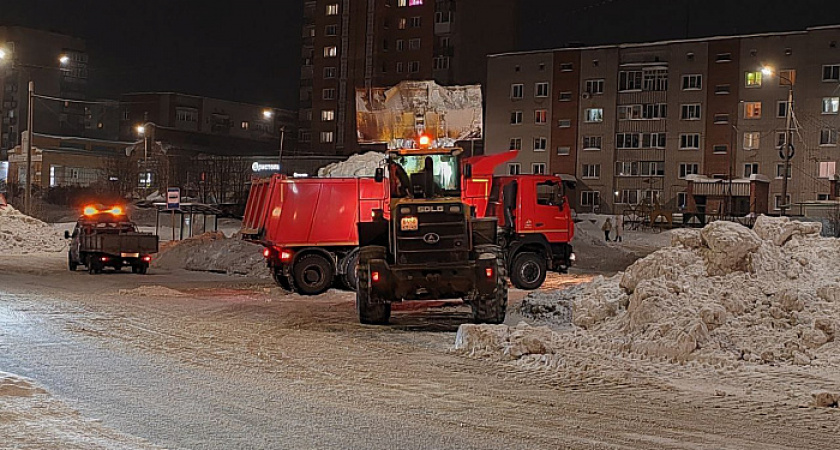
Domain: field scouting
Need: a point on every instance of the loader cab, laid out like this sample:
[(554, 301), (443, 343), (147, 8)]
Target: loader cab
[(425, 174)]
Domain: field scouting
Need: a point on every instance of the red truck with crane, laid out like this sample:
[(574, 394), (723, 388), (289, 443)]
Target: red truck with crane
[(309, 225)]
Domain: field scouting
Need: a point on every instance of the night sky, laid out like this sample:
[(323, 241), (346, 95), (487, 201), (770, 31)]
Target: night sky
[(249, 50)]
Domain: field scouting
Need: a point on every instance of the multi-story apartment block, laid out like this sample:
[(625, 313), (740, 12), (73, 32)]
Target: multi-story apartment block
[(58, 66), (355, 45), (637, 122)]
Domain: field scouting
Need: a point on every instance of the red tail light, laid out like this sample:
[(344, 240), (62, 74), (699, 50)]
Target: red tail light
[(489, 272), (374, 276), (147, 258), (285, 255), (104, 259), (266, 252)]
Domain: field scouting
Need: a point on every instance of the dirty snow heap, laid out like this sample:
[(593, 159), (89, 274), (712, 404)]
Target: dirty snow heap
[(723, 293), (20, 234), (360, 165), (213, 252)]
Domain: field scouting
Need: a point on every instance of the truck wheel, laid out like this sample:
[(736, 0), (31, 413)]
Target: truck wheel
[(371, 310), (281, 280), (492, 308), (528, 271), (94, 266), (350, 279), (142, 269), (313, 274), (70, 263)]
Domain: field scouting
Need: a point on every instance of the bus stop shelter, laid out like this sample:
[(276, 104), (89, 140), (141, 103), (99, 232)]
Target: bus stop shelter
[(189, 220)]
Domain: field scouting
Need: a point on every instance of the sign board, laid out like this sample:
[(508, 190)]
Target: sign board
[(397, 115), (173, 198), (265, 167)]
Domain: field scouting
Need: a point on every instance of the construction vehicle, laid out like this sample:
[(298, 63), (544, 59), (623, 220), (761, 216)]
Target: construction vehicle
[(430, 246), (105, 237), (317, 217)]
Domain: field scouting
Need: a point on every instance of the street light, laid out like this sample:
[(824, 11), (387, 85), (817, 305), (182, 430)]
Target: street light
[(3, 54), (64, 59), (268, 114), (787, 148)]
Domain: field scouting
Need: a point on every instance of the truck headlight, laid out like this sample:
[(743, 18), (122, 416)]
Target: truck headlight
[(409, 223)]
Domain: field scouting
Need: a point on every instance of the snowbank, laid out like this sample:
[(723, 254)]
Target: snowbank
[(768, 295), (213, 252), (359, 165), (21, 234)]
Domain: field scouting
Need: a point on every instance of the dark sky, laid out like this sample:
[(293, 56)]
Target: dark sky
[(249, 50)]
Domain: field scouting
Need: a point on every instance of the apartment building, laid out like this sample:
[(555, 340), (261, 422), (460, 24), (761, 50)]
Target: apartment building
[(58, 65), (378, 43), (638, 122)]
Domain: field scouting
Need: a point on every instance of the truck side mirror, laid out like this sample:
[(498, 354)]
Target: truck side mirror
[(66, 234), (561, 203), (379, 175), (467, 171)]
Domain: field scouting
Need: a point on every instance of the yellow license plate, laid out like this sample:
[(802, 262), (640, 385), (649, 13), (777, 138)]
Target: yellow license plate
[(408, 223)]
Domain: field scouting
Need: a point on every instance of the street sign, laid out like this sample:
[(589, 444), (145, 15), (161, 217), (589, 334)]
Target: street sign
[(173, 198), (790, 151)]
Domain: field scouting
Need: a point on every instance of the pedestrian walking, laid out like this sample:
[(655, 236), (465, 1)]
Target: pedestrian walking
[(619, 225), (607, 227)]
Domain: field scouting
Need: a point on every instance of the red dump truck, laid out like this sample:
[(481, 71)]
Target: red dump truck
[(309, 225)]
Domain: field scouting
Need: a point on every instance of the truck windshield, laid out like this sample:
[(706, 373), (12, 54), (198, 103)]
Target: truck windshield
[(408, 176)]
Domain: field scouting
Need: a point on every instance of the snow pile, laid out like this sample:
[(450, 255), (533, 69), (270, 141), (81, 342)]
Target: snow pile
[(15, 386), (213, 252), (359, 165), (508, 342), (152, 291), (766, 295), (21, 234)]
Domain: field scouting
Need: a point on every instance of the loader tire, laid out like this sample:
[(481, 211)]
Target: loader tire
[(371, 310), (72, 265), (492, 308)]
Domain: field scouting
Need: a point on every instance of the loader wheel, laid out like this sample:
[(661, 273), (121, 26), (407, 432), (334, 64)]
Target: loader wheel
[(371, 310), (528, 271), (72, 265), (350, 279), (281, 280), (491, 308), (313, 274)]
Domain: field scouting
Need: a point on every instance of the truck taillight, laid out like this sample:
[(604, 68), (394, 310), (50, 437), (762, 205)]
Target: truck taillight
[(147, 258), (266, 253), (285, 255), (489, 272), (374, 276), (104, 258)]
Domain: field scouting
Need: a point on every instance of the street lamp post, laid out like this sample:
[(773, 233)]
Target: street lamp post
[(27, 198), (787, 148)]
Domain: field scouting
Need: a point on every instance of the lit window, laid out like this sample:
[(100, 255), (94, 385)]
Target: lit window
[(402, 2), (830, 105), (827, 169), (332, 9), (415, 2), (330, 52), (753, 79), (752, 110), (594, 115), (752, 140), (245, 125), (401, 24), (541, 116), (328, 115), (327, 137)]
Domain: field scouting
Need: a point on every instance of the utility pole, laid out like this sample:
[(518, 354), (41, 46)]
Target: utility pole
[(788, 148), (280, 157), (27, 201)]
